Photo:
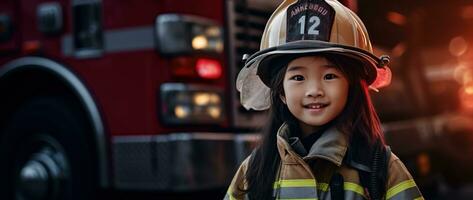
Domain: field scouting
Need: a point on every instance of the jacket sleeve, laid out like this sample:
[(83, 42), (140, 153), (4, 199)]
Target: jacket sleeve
[(401, 185), (235, 190)]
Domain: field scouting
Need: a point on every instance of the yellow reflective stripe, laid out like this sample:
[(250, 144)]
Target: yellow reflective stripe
[(420, 198), (399, 188), (229, 194), (354, 188), (323, 186), (295, 183)]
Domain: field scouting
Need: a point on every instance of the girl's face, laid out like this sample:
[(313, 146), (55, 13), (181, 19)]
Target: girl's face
[(315, 91)]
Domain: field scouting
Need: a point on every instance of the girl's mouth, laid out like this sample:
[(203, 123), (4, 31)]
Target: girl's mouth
[(316, 106)]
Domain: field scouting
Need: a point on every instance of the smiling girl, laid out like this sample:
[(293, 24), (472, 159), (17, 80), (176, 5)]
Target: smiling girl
[(324, 139)]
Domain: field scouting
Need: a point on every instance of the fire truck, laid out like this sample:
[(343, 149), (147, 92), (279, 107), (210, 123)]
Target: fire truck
[(123, 94), (140, 96)]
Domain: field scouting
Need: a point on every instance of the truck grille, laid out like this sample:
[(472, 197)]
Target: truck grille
[(249, 25), (246, 23)]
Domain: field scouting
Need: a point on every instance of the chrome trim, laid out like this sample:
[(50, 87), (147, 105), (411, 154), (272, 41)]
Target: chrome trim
[(179, 161), (173, 17), (137, 38), (80, 2), (74, 83), (129, 39), (165, 87)]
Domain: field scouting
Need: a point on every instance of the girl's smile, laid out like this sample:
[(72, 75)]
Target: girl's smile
[(315, 91), (315, 107)]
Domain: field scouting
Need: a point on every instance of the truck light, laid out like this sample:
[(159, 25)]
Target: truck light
[(201, 99), (190, 67), (191, 104), (181, 34), (214, 112), (183, 67), (208, 68), (200, 42), (466, 97), (215, 99), (31, 46), (181, 112)]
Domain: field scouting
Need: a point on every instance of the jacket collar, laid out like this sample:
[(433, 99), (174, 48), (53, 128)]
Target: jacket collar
[(331, 146)]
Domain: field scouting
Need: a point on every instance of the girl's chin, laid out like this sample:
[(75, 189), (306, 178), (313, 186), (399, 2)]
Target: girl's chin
[(311, 126)]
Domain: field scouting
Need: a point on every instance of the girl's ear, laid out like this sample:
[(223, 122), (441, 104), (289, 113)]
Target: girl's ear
[(283, 98)]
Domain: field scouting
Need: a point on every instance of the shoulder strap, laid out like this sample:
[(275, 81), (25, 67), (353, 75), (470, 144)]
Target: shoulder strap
[(376, 180), (337, 192), (372, 167)]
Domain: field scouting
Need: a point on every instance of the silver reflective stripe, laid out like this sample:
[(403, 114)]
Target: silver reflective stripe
[(310, 193), (307, 190), (227, 197), (353, 195), (410, 193), (324, 194), (297, 193)]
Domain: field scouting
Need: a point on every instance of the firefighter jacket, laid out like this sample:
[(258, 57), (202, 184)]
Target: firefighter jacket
[(308, 177)]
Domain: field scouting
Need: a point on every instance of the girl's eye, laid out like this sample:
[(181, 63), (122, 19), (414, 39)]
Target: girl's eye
[(297, 78), (330, 76)]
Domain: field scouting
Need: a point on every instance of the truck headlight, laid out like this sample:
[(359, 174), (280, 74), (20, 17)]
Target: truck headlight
[(177, 34), (191, 104)]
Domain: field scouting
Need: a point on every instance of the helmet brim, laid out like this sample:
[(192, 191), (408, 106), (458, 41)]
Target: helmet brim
[(271, 60)]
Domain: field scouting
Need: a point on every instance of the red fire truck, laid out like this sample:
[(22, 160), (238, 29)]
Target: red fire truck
[(123, 95)]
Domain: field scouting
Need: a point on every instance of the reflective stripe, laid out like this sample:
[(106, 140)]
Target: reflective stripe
[(310, 189), (296, 189), (353, 195), (410, 193), (297, 193), (323, 187), (348, 186), (402, 187), (228, 197), (295, 183), (323, 191)]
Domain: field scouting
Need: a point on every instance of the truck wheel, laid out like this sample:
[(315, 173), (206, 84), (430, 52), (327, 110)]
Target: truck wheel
[(45, 154)]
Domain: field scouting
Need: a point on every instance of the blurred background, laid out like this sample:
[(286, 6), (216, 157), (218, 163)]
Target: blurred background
[(137, 100)]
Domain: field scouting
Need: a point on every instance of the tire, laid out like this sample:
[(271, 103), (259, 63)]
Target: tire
[(45, 153)]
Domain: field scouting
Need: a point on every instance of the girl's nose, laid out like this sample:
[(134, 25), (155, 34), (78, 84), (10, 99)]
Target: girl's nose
[(314, 91)]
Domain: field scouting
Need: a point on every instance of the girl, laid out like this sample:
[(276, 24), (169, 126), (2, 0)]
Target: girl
[(324, 139)]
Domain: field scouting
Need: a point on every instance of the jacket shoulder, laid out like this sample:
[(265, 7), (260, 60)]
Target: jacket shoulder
[(400, 184), (237, 188)]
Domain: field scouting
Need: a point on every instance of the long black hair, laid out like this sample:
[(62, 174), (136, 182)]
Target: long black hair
[(358, 117)]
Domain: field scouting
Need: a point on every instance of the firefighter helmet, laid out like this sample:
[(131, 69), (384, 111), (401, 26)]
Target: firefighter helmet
[(299, 27)]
